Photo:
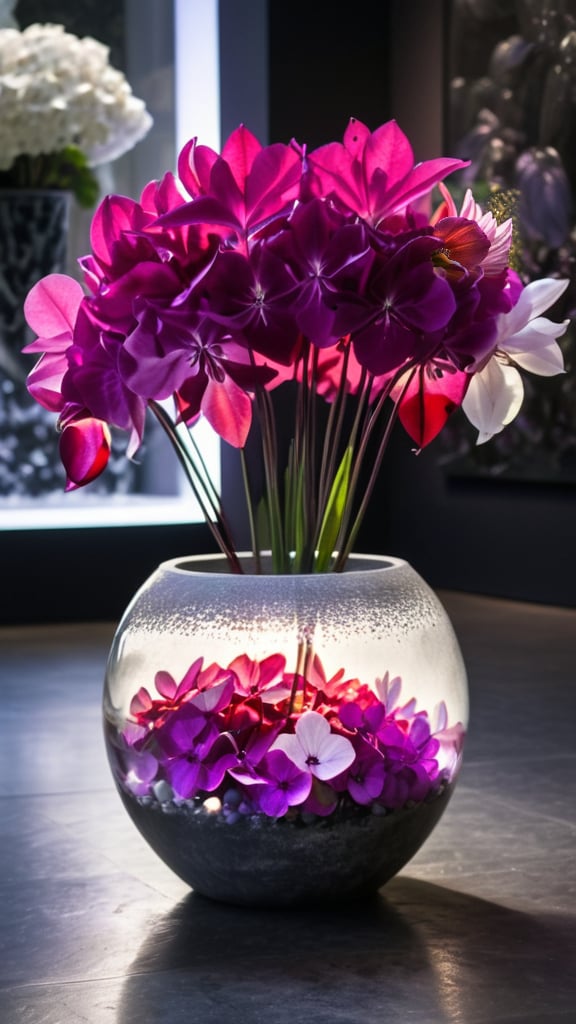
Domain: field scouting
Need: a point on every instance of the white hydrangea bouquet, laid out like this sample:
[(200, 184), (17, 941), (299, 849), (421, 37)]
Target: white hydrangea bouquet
[(64, 109)]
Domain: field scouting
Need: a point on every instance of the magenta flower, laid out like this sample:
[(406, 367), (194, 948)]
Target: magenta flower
[(373, 173), (85, 446), (148, 710), (51, 308), (243, 189), (261, 678)]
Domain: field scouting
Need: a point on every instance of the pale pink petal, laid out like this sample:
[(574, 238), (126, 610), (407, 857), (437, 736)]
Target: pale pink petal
[(51, 305), (311, 729), (165, 684), (215, 697)]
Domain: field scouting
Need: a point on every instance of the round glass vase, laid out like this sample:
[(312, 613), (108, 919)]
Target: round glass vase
[(285, 740)]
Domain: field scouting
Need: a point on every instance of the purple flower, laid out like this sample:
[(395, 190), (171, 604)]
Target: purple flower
[(329, 257), (407, 302), (365, 777), (135, 767), (193, 763), (250, 753), (251, 298), (285, 784)]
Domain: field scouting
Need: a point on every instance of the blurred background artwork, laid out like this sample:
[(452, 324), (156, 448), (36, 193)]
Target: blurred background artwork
[(511, 111)]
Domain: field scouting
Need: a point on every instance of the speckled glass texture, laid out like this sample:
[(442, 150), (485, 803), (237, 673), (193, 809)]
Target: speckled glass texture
[(378, 616)]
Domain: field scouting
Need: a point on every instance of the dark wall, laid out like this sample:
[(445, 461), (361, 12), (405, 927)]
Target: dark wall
[(325, 68), (510, 539)]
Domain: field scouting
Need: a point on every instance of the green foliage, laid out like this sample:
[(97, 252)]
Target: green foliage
[(66, 170), (334, 513)]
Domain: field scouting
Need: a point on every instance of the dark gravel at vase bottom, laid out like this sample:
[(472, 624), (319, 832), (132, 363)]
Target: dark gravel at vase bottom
[(264, 862)]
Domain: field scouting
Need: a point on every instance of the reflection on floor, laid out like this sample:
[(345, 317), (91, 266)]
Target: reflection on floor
[(480, 928)]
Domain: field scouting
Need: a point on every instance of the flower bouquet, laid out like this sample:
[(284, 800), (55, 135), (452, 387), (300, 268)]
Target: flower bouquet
[(270, 266), (349, 278)]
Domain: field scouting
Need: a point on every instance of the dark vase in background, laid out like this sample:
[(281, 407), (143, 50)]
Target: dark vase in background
[(33, 243)]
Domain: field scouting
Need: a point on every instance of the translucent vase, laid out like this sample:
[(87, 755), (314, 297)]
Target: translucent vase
[(285, 740)]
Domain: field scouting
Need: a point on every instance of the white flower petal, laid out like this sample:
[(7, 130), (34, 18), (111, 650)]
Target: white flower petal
[(334, 755), (538, 296), (315, 748), (534, 299), (293, 749), (493, 399), (537, 351), (311, 730)]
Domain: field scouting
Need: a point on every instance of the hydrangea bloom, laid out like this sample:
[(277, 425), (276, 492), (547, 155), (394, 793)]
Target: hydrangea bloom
[(59, 91)]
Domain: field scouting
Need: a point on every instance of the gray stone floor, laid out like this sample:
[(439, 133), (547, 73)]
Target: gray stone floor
[(480, 928)]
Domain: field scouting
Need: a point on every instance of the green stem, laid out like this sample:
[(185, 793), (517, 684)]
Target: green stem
[(251, 517), (210, 513), (353, 532), (270, 456)]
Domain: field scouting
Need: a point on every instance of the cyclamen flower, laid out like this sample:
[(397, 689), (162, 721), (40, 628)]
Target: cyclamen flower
[(314, 748), (148, 710)]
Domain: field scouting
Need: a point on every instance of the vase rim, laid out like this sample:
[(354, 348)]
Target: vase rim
[(216, 563)]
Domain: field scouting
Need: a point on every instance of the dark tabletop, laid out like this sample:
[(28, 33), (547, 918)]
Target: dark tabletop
[(479, 928)]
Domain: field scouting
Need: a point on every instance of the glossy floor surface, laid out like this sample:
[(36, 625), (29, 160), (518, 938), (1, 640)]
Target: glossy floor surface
[(480, 928)]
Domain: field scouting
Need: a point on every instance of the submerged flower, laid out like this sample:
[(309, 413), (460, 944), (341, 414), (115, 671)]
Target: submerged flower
[(365, 777), (284, 784), (192, 763), (314, 748)]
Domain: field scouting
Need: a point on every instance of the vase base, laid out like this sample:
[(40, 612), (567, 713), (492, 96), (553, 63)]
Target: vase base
[(269, 863)]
